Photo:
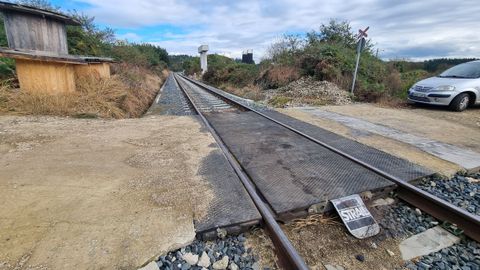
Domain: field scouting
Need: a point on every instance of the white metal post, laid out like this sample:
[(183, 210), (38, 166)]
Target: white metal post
[(362, 34), (355, 72)]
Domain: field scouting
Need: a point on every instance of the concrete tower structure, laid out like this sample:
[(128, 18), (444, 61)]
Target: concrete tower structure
[(202, 50)]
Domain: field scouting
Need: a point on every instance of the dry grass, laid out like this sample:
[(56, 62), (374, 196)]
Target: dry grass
[(128, 93), (312, 220), (392, 102), (277, 76), (263, 247), (253, 92)]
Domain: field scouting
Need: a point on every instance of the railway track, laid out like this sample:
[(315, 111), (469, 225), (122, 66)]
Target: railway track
[(206, 100), (288, 256)]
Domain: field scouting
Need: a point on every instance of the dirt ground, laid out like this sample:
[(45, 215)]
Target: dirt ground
[(432, 122), (461, 129), (325, 241), (98, 194)]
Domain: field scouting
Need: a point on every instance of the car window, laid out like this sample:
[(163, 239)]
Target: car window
[(465, 70)]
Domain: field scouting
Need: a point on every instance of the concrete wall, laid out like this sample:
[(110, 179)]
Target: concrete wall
[(203, 62)]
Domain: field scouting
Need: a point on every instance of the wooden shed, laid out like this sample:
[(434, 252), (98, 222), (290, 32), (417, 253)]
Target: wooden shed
[(37, 40)]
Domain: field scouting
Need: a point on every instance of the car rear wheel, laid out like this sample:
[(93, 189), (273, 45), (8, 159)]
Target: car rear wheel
[(460, 102)]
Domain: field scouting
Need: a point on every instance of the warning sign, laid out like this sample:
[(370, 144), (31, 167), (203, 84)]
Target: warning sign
[(355, 215)]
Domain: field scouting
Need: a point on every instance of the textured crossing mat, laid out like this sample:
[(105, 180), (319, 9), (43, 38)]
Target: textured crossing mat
[(231, 204), (395, 166), (290, 171)]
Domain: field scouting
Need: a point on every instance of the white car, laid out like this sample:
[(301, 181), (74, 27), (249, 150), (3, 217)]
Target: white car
[(457, 87)]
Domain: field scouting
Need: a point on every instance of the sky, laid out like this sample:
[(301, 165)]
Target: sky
[(414, 30)]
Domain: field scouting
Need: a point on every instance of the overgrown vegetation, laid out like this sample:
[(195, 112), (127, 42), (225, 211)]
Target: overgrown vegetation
[(128, 93), (222, 70), (177, 62), (324, 54)]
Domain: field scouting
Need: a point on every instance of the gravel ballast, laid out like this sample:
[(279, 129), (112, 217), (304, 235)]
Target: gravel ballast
[(462, 190), (227, 253), (171, 101), (463, 256), (402, 221)]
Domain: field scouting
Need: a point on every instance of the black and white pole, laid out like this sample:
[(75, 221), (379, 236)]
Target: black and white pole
[(362, 34)]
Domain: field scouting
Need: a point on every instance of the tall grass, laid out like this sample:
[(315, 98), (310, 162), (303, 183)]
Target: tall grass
[(128, 93)]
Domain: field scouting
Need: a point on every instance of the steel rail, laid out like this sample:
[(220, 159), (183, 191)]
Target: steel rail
[(287, 255), (425, 201)]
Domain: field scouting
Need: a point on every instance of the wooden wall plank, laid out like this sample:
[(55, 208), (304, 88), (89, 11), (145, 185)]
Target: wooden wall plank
[(30, 32), (98, 70), (45, 77)]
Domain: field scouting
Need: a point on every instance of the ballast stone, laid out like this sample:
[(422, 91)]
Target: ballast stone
[(190, 258), (221, 264), (204, 260)]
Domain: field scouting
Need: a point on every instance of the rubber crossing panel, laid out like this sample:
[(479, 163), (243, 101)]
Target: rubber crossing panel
[(290, 171)]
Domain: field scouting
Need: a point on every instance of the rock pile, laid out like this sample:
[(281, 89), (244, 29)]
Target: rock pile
[(308, 91), (228, 253)]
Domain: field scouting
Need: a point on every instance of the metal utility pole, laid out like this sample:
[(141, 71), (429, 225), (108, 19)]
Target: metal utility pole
[(362, 34)]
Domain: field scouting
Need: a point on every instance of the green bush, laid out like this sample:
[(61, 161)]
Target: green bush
[(279, 101), (7, 68), (326, 54), (224, 70), (411, 77), (192, 66), (330, 54), (144, 55), (275, 76)]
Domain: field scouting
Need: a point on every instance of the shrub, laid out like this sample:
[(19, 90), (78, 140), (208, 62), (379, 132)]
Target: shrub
[(7, 68), (279, 101), (192, 66), (252, 92), (277, 76), (393, 83), (223, 70), (411, 77)]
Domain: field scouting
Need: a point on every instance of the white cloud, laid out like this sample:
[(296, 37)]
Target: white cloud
[(414, 29), (131, 37)]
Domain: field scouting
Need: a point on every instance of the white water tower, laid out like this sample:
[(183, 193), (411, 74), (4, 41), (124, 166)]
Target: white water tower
[(202, 50)]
